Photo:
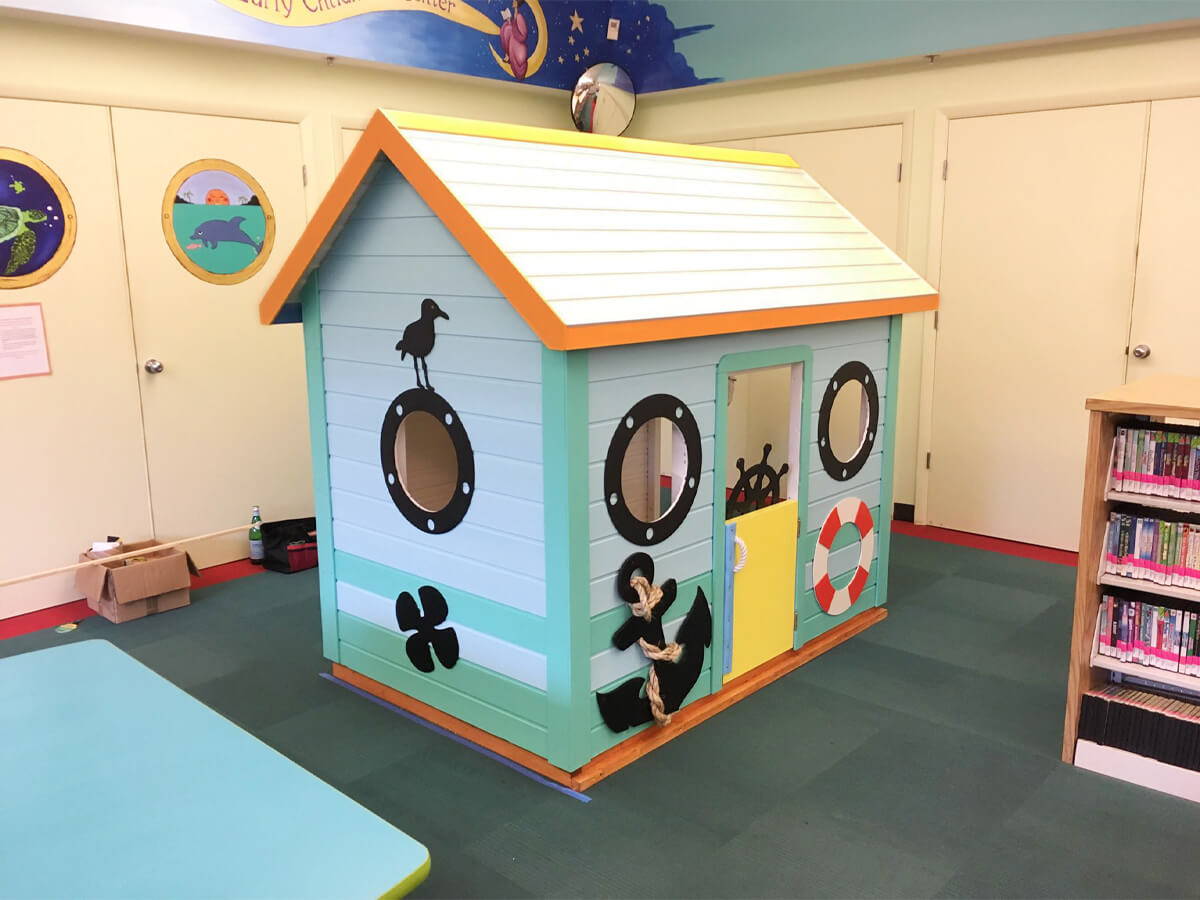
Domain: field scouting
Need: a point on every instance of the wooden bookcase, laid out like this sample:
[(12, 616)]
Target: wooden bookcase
[(1160, 397)]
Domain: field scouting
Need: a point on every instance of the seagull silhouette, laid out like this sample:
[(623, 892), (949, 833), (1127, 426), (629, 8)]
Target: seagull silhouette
[(418, 337)]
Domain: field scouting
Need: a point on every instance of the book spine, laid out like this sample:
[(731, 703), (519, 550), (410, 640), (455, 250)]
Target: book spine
[(1118, 473)]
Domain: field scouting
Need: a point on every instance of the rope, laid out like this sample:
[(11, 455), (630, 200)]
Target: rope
[(649, 596)]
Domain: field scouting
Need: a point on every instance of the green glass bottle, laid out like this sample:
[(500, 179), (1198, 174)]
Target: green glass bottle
[(256, 541)]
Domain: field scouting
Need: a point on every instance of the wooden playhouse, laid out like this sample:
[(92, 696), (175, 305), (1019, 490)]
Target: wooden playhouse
[(601, 429)]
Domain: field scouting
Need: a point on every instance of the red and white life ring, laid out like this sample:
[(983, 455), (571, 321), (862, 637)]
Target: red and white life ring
[(837, 601)]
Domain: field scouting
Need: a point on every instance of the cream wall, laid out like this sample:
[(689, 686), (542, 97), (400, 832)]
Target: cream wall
[(107, 67), (923, 96)]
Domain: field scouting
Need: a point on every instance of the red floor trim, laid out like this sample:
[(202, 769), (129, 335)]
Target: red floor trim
[(44, 618), (77, 610), (239, 568), (982, 542)]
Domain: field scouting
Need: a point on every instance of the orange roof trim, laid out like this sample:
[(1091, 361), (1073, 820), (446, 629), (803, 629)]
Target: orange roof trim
[(383, 136)]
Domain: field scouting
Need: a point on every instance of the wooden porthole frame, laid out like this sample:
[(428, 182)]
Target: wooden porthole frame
[(70, 224), (629, 526), (168, 221), (844, 470), (428, 521)]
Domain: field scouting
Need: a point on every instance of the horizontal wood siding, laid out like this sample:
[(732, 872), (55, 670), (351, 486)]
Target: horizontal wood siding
[(872, 348), (621, 376), (486, 363)]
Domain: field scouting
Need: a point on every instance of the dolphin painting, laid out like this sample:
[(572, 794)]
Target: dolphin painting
[(216, 231)]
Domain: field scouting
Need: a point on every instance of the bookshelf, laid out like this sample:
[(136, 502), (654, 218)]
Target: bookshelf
[(1160, 397)]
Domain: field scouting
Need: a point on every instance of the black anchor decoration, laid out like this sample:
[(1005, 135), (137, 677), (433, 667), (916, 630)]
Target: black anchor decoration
[(429, 639), (625, 706), (417, 340), (756, 487)]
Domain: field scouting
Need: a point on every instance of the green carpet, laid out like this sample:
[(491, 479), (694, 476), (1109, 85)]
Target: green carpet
[(918, 760)]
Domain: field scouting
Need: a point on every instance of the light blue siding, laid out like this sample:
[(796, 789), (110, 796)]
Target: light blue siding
[(474, 646), (620, 376), (486, 363)]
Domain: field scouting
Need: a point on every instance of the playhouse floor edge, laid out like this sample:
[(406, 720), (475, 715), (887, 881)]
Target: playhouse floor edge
[(638, 745)]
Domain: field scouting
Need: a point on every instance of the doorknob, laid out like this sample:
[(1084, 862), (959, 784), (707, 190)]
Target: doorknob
[(153, 366), (1141, 351)]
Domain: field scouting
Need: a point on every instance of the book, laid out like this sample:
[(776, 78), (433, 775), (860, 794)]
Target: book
[(1163, 462)]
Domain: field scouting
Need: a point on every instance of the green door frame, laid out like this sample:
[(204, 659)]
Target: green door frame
[(728, 364)]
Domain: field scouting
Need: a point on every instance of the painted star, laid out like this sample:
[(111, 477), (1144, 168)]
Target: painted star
[(18, 187), (587, 52), (576, 21), (570, 39), (561, 60), (629, 51), (576, 57)]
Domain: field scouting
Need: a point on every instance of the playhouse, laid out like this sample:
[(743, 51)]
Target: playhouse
[(601, 428)]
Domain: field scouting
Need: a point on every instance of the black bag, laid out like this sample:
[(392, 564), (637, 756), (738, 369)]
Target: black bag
[(290, 545)]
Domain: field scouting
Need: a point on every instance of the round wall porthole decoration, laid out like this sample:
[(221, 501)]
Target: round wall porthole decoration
[(37, 220), (427, 461), (652, 470), (217, 221), (848, 421)]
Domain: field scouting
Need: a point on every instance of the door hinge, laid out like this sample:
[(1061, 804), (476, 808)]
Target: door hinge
[(899, 171), (936, 318), (945, 168), (795, 620), (928, 459), (799, 528), (304, 175)]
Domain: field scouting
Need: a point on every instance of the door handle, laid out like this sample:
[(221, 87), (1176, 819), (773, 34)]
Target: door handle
[(154, 367), (1141, 351)]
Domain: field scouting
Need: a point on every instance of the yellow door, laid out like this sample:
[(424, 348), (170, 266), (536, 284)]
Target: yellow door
[(72, 457), (764, 588), (226, 419)]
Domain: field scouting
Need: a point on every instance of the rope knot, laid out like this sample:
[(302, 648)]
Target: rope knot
[(649, 596)]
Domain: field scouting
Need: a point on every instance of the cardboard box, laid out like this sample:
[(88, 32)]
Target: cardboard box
[(138, 609), (140, 586)]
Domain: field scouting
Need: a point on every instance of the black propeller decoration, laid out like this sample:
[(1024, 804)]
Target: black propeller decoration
[(428, 639)]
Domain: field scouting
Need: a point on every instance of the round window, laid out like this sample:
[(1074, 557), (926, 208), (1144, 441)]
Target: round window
[(428, 464), (652, 471), (848, 421)]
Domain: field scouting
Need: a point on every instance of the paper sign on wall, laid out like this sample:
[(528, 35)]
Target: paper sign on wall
[(23, 351)]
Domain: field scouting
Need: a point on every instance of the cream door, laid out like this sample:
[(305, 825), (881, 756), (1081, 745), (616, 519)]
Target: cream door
[(72, 458), (226, 420), (1038, 239), (860, 167), (1166, 309), (350, 137)]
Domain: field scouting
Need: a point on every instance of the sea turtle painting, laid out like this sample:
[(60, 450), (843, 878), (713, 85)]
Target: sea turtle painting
[(16, 233)]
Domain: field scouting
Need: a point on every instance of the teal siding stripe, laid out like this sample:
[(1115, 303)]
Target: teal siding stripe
[(601, 738), (884, 522), (462, 687), (504, 622), (604, 624), (564, 451), (319, 439)]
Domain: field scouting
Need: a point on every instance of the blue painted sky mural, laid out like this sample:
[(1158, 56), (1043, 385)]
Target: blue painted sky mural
[(666, 45)]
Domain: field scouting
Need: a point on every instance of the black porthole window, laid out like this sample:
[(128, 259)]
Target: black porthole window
[(645, 503), (427, 461), (849, 421)]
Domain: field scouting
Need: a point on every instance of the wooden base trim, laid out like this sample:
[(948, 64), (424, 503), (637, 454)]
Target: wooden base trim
[(634, 748)]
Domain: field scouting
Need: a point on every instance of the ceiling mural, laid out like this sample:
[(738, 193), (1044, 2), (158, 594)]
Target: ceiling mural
[(665, 45)]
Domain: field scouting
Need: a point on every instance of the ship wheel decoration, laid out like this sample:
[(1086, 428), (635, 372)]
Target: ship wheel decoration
[(756, 487)]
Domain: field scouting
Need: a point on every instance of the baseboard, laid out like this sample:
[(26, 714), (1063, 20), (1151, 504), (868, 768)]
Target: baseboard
[(903, 512)]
